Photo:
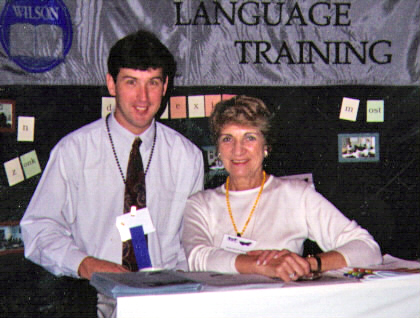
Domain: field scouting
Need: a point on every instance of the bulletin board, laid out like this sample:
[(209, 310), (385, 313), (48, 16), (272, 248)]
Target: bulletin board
[(381, 195)]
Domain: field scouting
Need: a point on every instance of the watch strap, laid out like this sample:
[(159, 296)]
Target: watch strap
[(318, 262)]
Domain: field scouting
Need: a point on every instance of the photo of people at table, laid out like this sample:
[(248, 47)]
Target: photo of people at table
[(358, 147)]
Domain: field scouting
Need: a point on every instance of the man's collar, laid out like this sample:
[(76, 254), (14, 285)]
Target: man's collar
[(146, 137)]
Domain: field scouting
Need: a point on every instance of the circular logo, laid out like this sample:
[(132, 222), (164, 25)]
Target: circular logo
[(36, 34)]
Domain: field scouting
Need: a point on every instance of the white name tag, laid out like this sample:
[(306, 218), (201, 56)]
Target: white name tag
[(135, 218), (237, 244)]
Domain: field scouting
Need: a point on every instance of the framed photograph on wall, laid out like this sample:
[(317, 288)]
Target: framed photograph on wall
[(358, 147), (7, 115), (10, 238)]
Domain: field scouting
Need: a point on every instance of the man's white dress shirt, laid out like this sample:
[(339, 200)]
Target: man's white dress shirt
[(73, 211)]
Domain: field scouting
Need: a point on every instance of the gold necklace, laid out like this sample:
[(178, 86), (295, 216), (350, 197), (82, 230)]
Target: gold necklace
[(239, 234)]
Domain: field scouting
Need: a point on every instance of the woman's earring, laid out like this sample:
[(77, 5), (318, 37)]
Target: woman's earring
[(265, 153), (218, 155)]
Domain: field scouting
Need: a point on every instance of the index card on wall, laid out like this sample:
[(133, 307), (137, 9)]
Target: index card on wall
[(196, 106), (227, 96), (178, 107), (30, 164), (210, 101), (375, 111), (108, 105), (165, 114), (26, 128), (349, 109), (14, 171)]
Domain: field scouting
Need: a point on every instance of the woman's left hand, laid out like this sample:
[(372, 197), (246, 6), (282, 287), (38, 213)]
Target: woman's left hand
[(285, 264)]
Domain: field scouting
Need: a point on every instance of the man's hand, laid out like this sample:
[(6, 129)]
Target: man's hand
[(90, 265)]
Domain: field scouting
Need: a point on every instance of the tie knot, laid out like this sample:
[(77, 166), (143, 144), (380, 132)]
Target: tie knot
[(137, 142)]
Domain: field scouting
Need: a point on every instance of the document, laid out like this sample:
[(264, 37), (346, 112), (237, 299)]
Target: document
[(142, 283), (215, 280), (391, 267), (168, 281)]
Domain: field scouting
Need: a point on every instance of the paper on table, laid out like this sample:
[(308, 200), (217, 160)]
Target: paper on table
[(388, 274), (390, 267), (168, 282), (393, 267), (142, 283), (394, 263), (215, 280)]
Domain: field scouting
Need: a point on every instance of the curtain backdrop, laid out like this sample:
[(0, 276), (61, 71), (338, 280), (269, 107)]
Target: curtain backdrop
[(229, 43)]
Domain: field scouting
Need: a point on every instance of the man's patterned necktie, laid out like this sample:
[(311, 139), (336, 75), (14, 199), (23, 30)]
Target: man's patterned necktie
[(135, 195)]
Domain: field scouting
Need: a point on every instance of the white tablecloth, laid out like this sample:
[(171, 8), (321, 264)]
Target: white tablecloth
[(388, 297)]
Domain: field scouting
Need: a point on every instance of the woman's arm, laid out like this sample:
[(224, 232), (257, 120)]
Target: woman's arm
[(333, 231), (199, 229), (285, 264), (329, 261)]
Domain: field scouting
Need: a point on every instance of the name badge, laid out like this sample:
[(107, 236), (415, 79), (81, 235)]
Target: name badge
[(237, 244), (133, 219)]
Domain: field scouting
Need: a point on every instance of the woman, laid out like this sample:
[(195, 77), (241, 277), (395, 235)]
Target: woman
[(257, 223)]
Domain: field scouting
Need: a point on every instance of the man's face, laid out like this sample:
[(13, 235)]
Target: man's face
[(138, 96)]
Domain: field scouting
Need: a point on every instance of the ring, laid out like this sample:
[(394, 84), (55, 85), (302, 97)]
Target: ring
[(292, 275)]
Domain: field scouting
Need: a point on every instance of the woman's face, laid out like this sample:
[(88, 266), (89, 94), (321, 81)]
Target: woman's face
[(241, 149)]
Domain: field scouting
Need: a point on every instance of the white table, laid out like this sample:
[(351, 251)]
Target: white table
[(391, 297)]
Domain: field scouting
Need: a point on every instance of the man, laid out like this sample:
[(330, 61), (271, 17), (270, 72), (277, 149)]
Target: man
[(69, 227)]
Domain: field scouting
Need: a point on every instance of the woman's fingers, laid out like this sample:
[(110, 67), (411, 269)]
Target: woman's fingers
[(282, 263), (265, 256), (285, 264)]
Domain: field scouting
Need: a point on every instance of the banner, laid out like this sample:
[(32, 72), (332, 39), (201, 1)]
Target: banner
[(217, 43)]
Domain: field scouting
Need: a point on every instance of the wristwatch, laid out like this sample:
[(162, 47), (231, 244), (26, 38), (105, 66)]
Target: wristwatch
[(318, 262)]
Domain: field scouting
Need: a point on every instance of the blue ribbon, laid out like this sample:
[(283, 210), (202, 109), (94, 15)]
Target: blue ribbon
[(140, 247)]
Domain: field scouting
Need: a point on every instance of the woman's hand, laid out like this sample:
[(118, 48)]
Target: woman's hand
[(265, 256), (274, 263)]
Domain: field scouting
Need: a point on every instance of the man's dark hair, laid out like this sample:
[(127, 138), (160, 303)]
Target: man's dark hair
[(141, 50)]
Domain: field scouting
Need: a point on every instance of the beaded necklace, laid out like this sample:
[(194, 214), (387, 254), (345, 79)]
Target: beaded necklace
[(115, 153), (239, 234)]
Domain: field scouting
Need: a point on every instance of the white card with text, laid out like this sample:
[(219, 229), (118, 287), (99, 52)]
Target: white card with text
[(237, 244), (26, 128), (135, 218), (14, 171), (349, 109)]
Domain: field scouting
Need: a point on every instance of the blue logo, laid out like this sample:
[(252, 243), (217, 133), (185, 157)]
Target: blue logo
[(36, 34)]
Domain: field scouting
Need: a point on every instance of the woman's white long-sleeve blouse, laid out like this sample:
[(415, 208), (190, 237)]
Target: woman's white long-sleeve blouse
[(288, 212)]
